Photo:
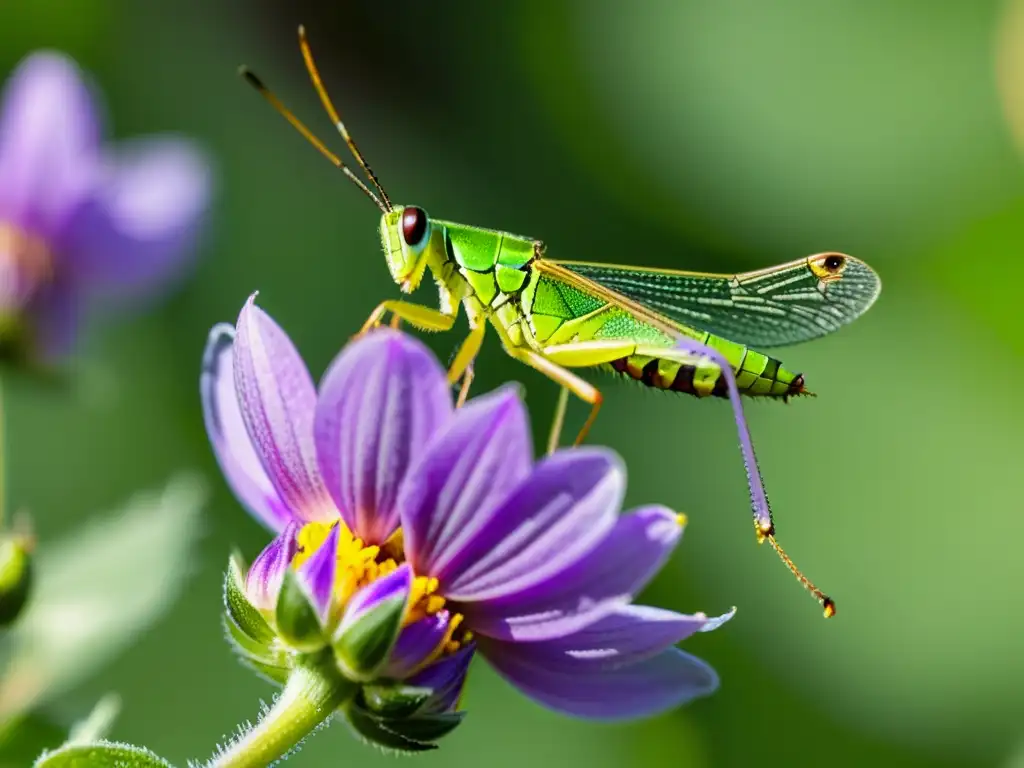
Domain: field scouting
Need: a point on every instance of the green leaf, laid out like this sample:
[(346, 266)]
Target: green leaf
[(296, 617), (96, 590), (364, 646), (101, 754), (243, 613), (21, 741), (372, 729)]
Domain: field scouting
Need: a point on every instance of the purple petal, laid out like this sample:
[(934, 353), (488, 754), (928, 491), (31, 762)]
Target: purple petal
[(556, 515), (49, 142), (380, 402), (278, 400), (396, 584), (445, 677), (466, 470), (415, 644), (589, 589), (137, 232), (651, 686), (263, 583), (629, 634), (316, 574), (231, 444)]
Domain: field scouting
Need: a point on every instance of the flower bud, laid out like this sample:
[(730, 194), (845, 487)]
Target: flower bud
[(15, 577), (248, 632)]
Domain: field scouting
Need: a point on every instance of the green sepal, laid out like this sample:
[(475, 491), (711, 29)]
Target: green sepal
[(372, 729), (241, 612), (269, 672), (15, 578), (425, 728), (394, 700), (273, 663), (364, 646), (101, 754), (297, 622)]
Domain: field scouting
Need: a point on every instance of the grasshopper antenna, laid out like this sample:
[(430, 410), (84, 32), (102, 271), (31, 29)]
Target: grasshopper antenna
[(258, 84), (314, 75), (826, 602)]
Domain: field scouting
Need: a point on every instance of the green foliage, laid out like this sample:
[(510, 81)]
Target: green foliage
[(96, 590)]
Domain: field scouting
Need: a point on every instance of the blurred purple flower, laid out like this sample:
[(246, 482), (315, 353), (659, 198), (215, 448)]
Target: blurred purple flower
[(78, 218), (531, 564)]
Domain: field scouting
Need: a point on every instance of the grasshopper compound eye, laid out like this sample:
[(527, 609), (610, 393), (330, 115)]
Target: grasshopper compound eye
[(414, 226)]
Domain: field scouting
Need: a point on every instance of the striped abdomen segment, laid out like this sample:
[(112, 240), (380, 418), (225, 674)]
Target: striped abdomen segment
[(757, 375)]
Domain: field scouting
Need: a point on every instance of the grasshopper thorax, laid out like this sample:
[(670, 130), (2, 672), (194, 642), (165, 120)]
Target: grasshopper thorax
[(405, 234)]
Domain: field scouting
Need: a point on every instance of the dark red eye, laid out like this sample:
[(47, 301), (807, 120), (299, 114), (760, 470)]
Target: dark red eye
[(414, 226)]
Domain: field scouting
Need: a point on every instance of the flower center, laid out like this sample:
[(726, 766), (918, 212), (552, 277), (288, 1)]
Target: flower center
[(26, 265), (359, 565)]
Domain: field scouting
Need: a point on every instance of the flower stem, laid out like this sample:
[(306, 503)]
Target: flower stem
[(311, 695)]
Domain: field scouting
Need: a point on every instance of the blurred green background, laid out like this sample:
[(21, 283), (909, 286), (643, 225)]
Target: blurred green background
[(721, 135)]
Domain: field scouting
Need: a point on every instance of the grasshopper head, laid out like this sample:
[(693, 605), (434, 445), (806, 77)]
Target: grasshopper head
[(405, 233)]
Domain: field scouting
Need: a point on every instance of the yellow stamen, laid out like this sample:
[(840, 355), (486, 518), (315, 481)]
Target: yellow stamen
[(358, 565), (394, 547)]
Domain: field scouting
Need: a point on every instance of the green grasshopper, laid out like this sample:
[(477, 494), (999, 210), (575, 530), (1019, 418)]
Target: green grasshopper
[(680, 331)]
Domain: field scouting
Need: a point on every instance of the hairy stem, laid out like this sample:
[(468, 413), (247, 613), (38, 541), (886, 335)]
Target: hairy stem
[(311, 695)]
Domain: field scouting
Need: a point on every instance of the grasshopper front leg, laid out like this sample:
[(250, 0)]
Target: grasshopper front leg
[(429, 319), (417, 315), (462, 365)]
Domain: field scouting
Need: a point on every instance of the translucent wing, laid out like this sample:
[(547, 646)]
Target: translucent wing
[(771, 307)]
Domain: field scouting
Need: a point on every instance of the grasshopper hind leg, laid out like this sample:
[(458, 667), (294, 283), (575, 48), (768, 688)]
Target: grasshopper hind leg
[(685, 351)]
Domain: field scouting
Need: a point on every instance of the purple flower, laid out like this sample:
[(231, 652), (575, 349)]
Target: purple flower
[(441, 522), (79, 219)]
